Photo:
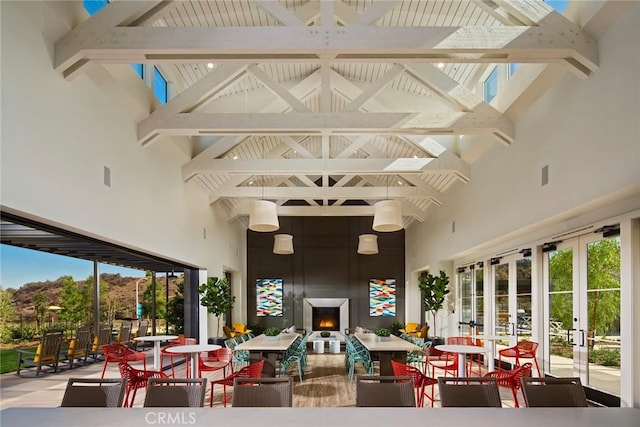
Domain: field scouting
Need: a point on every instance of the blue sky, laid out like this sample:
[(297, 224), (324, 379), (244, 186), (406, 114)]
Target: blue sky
[(19, 266)]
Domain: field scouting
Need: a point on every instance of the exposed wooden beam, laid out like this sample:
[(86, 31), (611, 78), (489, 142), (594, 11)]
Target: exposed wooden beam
[(366, 193), (280, 13), (374, 12), (278, 90)]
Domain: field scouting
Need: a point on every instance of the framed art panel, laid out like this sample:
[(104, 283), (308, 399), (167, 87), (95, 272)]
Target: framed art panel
[(269, 297), (382, 297)]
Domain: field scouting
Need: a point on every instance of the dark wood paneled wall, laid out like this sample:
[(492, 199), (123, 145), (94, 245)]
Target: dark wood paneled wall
[(325, 264)]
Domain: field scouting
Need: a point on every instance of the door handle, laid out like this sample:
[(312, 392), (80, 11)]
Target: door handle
[(582, 337), (570, 337), (513, 328)]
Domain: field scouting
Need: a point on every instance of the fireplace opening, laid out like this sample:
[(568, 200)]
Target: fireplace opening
[(325, 318)]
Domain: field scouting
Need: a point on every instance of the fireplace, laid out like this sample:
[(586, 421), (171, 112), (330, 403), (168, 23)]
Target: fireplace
[(325, 318), (316, 310)]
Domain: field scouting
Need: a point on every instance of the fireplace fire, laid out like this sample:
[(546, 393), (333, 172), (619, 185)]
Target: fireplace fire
[(325, 318)]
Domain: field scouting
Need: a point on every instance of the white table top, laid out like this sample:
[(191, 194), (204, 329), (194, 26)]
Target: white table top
[(262, 342), (491, 337), (193, 348), (461, 348), (156, 338), (323, 417), (373, 343)]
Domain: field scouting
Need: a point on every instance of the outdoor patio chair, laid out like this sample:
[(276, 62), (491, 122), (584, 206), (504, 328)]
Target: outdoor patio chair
[(79, 346), (47, 353), (511, 379), (251, 371), (175, 392), (136, 378), (94, 392), (522, 350), (103, 338), (385, 391), (420, 380), (143, 330), (124, 336), (117, 353), (553, 392), (262, 392), (462, 392), (181, 340)]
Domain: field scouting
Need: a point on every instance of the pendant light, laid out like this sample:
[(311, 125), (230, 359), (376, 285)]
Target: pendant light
[(263, 214), (368, 244), (387, 216), (283, 244)]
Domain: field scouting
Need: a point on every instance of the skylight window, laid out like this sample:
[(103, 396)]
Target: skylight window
[(491, 86), (139, 69), (558, 5), (513, 67), (159, 86), (93, 6)]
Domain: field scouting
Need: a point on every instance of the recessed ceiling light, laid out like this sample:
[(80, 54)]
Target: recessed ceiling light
[(440, 65), (235, 157), (210, 65)]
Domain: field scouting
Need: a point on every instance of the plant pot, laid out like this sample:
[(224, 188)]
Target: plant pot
[(382, 339), (325, 334), (217, 341), (435, 341)]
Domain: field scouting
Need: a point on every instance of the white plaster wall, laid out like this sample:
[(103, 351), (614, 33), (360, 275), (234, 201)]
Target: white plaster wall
[(58, 135)]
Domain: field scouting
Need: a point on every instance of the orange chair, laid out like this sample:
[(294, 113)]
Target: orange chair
[(468, 341), (136, 378), (420, 381), (117, 353), (181, 340), (252, 371), (216, 360), (511, 379), (523, 350)]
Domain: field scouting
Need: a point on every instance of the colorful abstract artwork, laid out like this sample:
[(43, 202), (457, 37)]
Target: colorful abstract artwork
[(269, 297), (382, 297)]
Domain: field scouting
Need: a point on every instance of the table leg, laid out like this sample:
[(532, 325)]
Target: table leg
[(491, 362), (156, 355), (194, 365), (462, 362)]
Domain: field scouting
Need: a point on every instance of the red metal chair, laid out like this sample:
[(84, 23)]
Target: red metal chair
[(181, 340), (216, 360), (523, 350), (511, 379), (468, 341), (448, 362), (136, 378), (116, 353), (420, 381), (251, 371)]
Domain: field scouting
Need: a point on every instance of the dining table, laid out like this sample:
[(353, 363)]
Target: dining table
[(268, 348), (388, 349), (156, 340), (193, 350), (462, 350), (491, 340)]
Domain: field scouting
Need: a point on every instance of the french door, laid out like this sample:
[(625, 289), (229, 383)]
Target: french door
[(582, 310), (512, 299), (471, 301)]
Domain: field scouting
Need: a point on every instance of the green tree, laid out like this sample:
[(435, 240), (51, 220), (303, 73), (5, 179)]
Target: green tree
[(86, 289), (216, 296), (175, 309), (72, 303), (7, 308), (41, 304), (160, 302)]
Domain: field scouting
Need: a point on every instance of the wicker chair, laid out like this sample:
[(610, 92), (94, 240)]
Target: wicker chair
[(252, 371), (553, 392), (512, 378), (469, 392), (94, 392), (136, 379), (175, 392), (385, 391), (262, 392)]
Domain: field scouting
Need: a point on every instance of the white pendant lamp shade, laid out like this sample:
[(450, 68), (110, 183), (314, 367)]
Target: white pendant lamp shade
[(387, 216), (368, 244), (283, 244), (263, 216)]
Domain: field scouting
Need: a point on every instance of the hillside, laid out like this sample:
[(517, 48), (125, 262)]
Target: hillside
[(121, 293)]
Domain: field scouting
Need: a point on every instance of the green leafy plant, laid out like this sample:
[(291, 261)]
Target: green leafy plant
[(395, 328), (382, 332), (434, 290), (257, 328), (272, 331), (216, 296)]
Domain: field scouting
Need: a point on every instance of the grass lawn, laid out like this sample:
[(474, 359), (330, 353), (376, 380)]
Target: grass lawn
[(9, 359)]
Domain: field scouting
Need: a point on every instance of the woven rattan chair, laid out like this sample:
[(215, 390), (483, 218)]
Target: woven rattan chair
[(175, 392), (553, 392), (94, 392), (262, 392), (469, 392), (385, 391)]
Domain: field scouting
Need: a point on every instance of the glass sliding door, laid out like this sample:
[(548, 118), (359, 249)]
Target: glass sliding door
[(582, 312)]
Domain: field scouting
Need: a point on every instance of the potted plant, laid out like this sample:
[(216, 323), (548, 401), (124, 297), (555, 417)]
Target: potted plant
[(395, 328), (434, 290), (216, 296), (383, 334), (272, 332)]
